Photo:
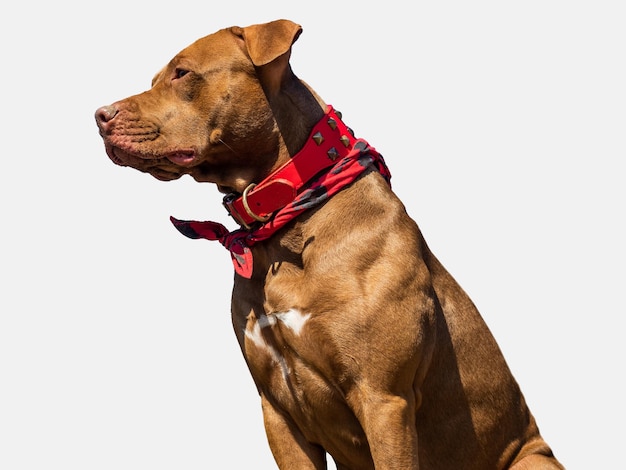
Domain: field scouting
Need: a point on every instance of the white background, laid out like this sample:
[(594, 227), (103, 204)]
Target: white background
[(503, 124)]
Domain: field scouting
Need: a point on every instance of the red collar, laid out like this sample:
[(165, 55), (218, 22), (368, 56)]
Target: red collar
[(330, 160), (329, 140)]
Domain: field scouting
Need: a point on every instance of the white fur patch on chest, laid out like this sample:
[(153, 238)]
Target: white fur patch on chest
[(293, 319)]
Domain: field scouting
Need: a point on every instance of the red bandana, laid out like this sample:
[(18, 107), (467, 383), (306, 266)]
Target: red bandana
[(295, 187)]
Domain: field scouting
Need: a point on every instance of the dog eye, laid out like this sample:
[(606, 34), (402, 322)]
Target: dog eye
[(180, 73)]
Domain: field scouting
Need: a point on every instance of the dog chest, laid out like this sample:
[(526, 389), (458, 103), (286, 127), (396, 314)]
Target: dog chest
[(284, 351)]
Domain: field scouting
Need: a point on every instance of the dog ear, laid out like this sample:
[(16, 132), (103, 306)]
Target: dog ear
[(266, 42)]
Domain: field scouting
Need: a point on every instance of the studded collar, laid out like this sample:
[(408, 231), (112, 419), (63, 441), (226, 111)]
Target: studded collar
[(331, 159), (329, 140)]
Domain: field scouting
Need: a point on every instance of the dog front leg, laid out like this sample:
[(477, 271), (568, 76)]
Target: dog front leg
[(389, 424), (289, 447)]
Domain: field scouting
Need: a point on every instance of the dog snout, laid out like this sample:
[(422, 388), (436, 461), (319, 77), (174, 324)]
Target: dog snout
[(105, 115)]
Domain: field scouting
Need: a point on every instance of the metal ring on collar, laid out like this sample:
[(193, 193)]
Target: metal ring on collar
[(244, 200)]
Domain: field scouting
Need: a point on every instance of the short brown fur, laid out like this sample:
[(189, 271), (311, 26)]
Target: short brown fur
[(394, 367)]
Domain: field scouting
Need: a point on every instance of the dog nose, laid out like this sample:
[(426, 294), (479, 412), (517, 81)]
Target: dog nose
[(105, 114)]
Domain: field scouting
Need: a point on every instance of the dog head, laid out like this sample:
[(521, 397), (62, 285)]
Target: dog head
[(209, 112)]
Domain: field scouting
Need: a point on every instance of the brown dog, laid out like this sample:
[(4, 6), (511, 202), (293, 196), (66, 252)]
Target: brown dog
[(360, 342)]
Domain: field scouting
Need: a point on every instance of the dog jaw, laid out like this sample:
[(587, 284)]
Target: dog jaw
[(163, 167)]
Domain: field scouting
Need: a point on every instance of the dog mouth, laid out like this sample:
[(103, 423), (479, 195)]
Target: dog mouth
[(113, 153), (166, 167), (184, 158)]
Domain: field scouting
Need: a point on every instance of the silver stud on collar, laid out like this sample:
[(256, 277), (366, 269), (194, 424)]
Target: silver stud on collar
[(332, 123), (345, 140), (318, 138), (332, 154)]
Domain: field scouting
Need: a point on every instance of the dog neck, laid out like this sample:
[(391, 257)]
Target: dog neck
[(329, 141), (331, 159)]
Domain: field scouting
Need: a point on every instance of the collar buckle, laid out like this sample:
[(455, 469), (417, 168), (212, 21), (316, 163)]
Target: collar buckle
[(246, 206)]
